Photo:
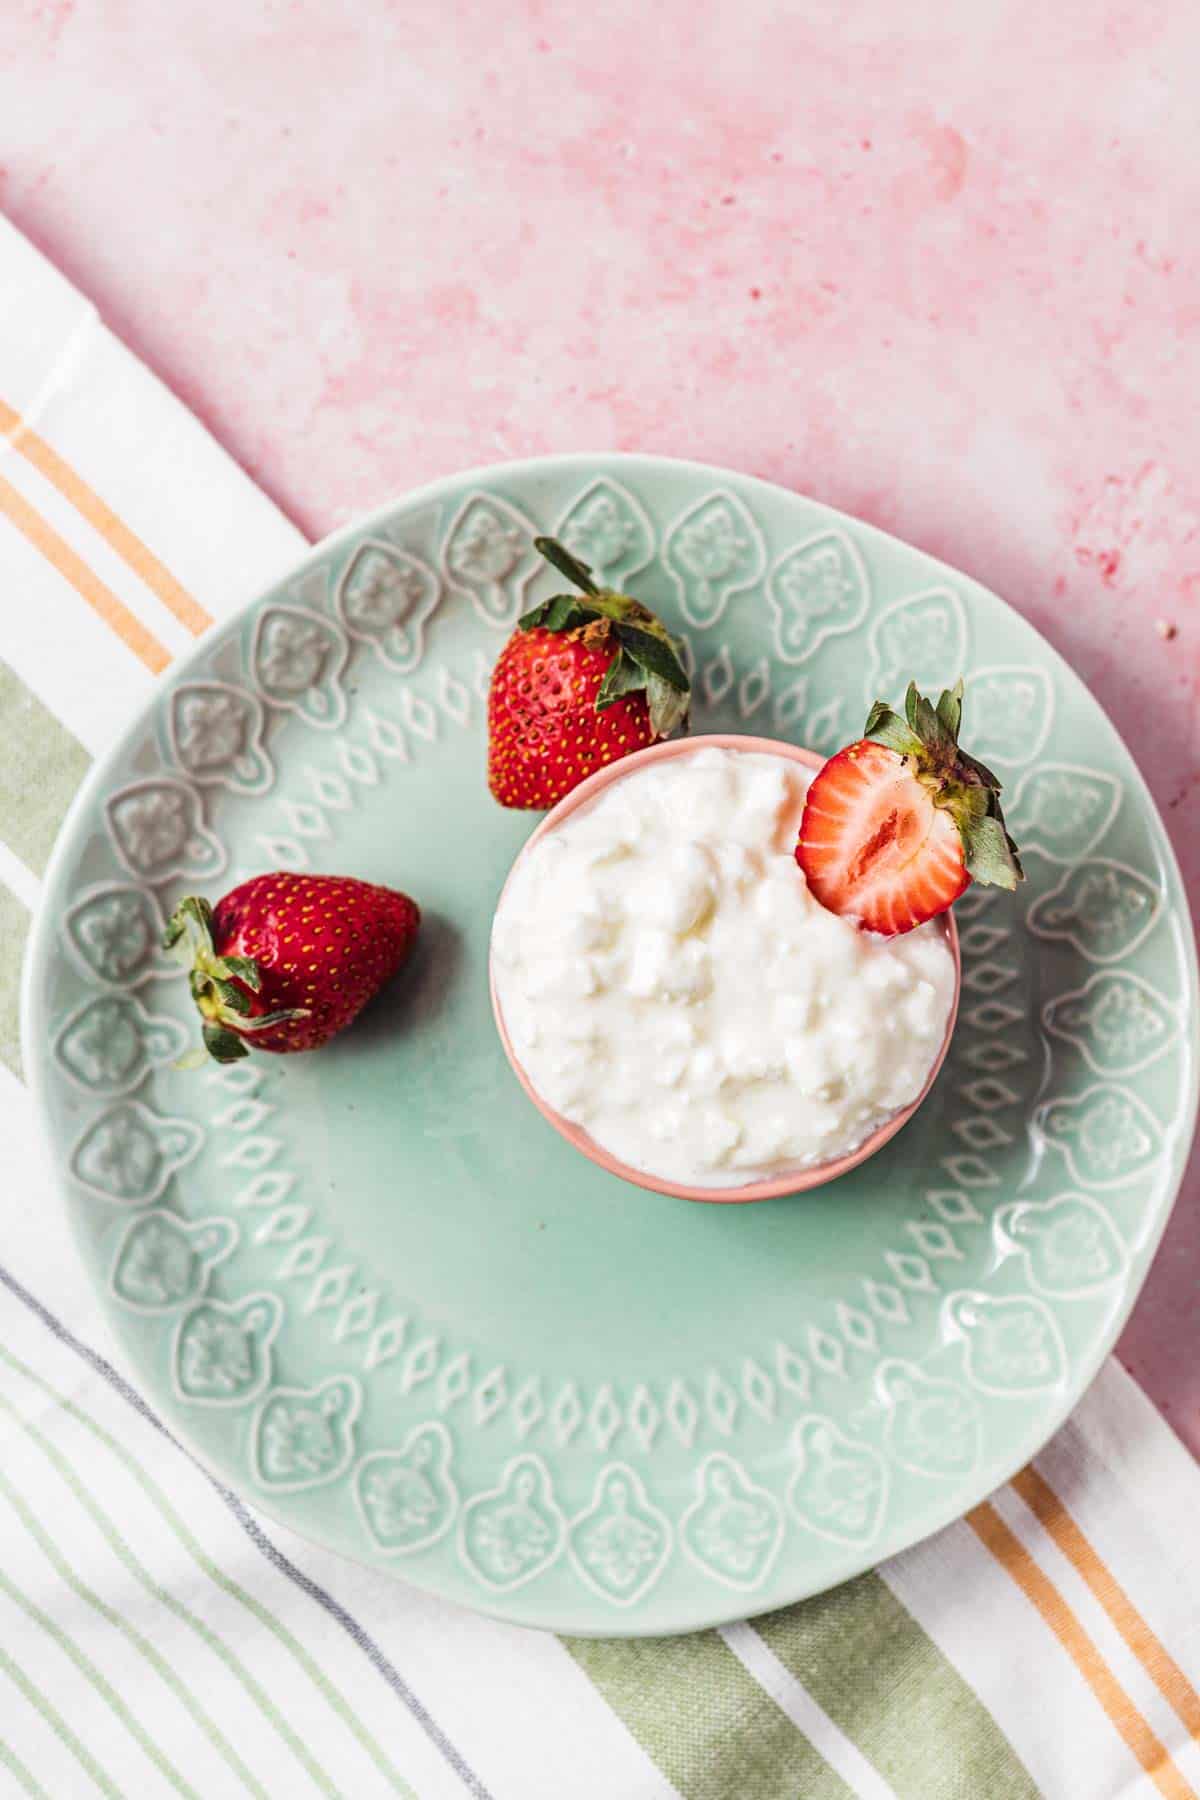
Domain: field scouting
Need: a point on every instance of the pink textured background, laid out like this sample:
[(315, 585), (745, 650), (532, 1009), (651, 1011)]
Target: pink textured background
[(922, 270)]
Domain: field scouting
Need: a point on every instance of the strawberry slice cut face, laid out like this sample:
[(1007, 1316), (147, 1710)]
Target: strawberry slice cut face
[(873, 845), (896, 825)]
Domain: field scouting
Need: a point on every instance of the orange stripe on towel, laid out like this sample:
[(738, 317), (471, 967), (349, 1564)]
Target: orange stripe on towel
[(116, 615), (1042, 1594), (1158, 1663), (100, 516)]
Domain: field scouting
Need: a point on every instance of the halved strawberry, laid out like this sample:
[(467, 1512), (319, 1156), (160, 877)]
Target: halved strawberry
[(896, 825)]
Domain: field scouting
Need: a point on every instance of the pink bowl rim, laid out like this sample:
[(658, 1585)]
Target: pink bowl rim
[(777, 1187)]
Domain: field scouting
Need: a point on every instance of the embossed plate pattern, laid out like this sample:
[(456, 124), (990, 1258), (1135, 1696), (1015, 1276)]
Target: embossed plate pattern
[(380, 1295)]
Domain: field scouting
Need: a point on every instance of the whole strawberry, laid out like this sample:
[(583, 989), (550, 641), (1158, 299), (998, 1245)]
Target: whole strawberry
[(285, 962), (896, 825), (585, 678)]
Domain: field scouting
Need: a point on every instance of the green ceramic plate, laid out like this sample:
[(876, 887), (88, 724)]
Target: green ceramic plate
[(380, 1295)]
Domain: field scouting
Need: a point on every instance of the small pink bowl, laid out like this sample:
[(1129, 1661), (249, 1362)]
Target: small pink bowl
[(799, 1180)]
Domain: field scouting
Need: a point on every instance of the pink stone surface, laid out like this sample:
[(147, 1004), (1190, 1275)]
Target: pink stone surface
[(921, 269)]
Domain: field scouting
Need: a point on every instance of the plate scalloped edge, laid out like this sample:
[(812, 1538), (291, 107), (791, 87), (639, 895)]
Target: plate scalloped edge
[(788, 1464)]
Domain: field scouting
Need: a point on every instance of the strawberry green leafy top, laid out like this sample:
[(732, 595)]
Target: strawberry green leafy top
[(647, 659), (927, 738)]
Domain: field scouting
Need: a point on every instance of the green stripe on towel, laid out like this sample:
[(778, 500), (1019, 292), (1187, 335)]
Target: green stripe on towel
[(882, 1680), (714, 1733), (21, 1775), (256, 1608), (14, 929), (58, 1726), (208, 1725), (40, 770), (88, 1669)]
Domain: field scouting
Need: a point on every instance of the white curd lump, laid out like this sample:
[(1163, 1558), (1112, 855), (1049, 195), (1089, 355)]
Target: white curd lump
[(668, 983)]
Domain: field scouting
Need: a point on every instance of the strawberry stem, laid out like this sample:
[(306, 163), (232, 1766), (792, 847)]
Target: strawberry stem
[(560, 558)]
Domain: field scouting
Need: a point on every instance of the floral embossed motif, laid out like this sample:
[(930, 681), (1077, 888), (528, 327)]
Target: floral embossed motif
[(1011, 1345), (486, 547), (1011, 711), (840, 1486), (212, 729), (710, 545), (512, 1533), (713, 552), (489, 551), (1107, 1135), (158, 831), (1065, 811), (103, 1047), (816, 591), (733, 1529), (215, 732), (607, 529), (153, 826), (109, 1044), (933, 1427), (158, 1264), (923, 639), (120, 1155), (129, 1154), (222, 1353), (303, 1437), (115, 934), (217, 1357), (1119, 1023), (162, 1262), (1103, 908), (1070, 1244), (293, 654), (385, 597), (620, 1544), (408, 1496), (297, 659)]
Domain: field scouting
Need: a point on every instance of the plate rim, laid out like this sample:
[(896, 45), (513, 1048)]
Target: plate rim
[(39, 948)]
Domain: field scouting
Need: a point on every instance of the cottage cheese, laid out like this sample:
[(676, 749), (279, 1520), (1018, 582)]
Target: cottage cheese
[(668, 983)]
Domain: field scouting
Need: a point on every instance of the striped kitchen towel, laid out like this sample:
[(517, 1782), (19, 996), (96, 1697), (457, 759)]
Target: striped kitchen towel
[(158, 1636)]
